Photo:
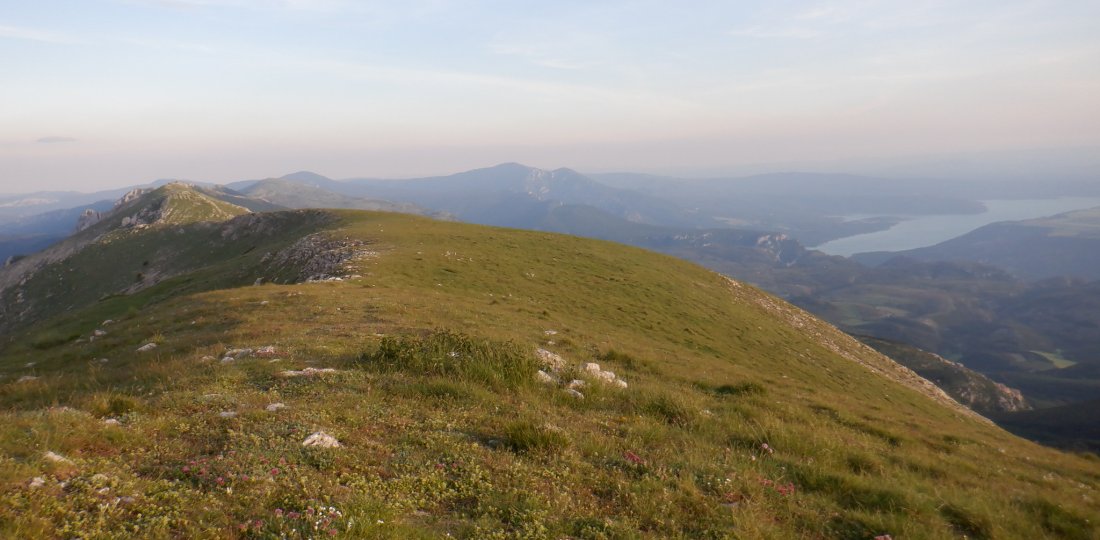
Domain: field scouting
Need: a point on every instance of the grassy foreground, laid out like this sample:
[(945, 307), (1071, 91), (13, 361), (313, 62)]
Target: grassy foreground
[(743, 418)]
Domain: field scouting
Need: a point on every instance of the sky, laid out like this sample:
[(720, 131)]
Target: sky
[(102, 93)]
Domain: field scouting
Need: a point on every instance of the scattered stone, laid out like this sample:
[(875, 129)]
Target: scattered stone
[(56, 458), (545, 378), (27, 378), (103, 490), (264, 303), (65, 409), (228, 414), (574, 393), (208, 358), (228, 359), (147, 347), (103, 360), (29, 364), (112, 422), (550, 332), (606, 377), (107, 322), (37, 482), (238, 353), (266, 352), (274, 407), (551, 360), (273, 360), (576, 383), (307, 372), (321, 439), (99, 333), (258, 282), (211, 396)]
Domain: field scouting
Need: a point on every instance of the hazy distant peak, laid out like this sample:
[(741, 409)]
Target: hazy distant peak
[(306, 176)]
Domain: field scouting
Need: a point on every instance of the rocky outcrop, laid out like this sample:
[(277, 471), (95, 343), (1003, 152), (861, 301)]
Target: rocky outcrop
[(319, 257), (965, 385), (88, 218)]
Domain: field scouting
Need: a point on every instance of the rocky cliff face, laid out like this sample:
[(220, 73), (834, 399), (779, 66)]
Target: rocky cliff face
[(87, 219), (963, 384)]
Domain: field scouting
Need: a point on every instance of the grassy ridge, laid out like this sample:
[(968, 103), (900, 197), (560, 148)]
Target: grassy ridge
[(743, 417)]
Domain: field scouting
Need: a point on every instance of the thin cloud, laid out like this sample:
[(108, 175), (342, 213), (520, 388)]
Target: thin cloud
[(790, 32), (55, 140), (32, 34)]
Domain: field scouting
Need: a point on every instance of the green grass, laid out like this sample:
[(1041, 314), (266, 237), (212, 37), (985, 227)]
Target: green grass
[(470, 444)]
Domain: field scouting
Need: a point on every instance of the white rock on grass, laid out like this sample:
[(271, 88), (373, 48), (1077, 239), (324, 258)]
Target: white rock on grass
[(54, 457), (238, 353), (267, 352), (147, 347), (576, 383), (307, 372), (99, 333), (228, 414), (274, 407), (37, 482), (322, 440), (545, 378), (606, 377), (574, 393), (112, 422), (27, 378), (551, 360), (107, 322)]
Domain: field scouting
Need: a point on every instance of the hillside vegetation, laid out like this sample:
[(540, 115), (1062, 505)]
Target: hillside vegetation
[(741, 415)]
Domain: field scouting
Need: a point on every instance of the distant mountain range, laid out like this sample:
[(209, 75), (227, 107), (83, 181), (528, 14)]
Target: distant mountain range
[(1040, 337)]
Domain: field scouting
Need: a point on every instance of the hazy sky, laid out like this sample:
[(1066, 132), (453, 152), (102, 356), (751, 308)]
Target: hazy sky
[(101, 93)]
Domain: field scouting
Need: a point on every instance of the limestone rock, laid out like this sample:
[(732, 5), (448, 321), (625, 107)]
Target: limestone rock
[(545, 378), (552, 361), (54, 457), (307, 372), (147, 347), (322, 440)]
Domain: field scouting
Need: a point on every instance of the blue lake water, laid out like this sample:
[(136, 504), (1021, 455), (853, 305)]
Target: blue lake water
[(921, 231)]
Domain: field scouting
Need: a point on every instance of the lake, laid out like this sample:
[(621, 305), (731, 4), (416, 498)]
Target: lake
[(921, 231)]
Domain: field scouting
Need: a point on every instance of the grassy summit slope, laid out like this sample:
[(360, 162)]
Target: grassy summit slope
[(744, 417)]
